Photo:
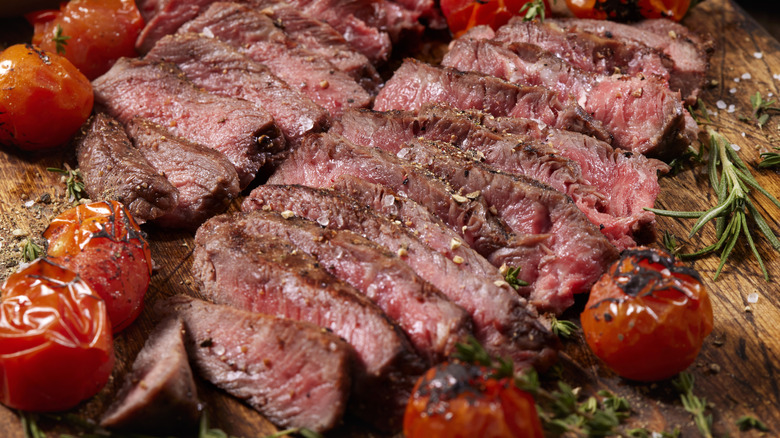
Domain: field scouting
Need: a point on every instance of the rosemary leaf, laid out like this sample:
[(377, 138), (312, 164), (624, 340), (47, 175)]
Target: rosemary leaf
[(770, 159)]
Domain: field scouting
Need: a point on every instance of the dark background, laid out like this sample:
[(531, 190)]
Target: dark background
[(766, 12)]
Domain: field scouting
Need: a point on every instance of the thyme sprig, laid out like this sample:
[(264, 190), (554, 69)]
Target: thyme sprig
[(770, 159), (670, 243), (510, 276), (747, 422), (60, 40), (693, 404), (562, 328), (74, 183), (732, 181), (761, 110), (533, 10)]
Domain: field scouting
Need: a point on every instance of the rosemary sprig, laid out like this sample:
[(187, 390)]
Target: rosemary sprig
[(74, 183), (533, 10), (700, 112), (562, 328), (747, 422), (60, 40), (693, 404), (770, 159), (732, 185), (30, 251)]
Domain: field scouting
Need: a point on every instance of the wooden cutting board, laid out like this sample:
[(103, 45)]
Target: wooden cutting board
[(738, 370)]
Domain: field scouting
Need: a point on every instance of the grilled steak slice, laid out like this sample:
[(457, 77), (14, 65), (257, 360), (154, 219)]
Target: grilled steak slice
[(571, 253), (204, 177), (689, 52), (429, 227), (322, 38), (431, 321), (322, 159), (255, 35), (113, 169), (266, 274), (641, 114), (219, 69), (159, 394), (502, 322), (294, 373), (585, 50), (416, 83), (158, 91)]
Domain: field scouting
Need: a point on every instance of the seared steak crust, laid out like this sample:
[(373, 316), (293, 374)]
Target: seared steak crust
[(159, 92), (113, 169), (294, 373)]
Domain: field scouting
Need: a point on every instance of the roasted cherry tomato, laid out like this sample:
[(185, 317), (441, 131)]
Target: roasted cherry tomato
[(462, 15), (44, 98), (103, 243), (647, 317), (456, 399), (92, 33), (629, 10), (55, 339)]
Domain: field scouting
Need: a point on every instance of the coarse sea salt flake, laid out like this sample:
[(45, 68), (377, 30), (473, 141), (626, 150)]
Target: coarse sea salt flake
[(746, 76), (731, 109), (776, 76), (736, 79), (735, 147), (752, 298), (758, 55), (733, 90), (720, 104)]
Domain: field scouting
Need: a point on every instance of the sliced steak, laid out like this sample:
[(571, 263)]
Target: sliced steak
[(322, 159), (159, 395), (204, 177), (114, 170), (294, 373), (219, 69), (159, 92), (587, 51), (431, 321), (502, 322), (255, 35), (642, 114), (416, 83), (689, 52), (263, 273), (571, 253), (429, 227)]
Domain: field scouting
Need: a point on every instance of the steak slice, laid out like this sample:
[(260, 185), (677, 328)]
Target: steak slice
[(114, 170), (255, 35), (294, 373), (689, 52), (159, 394), (159, 92), (219, 69), (571, 253), (641, 114), (416, 83), (431, 321), (322, 159), (204, 177), (263, 273), (502, 322), (429, 227)]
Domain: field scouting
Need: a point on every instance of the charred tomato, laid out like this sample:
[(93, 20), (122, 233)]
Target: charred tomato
[(462, 15), (55, 339), (456, 399), (629, 10), (92, 34), (647, 316), (103, 243), (45, 99)]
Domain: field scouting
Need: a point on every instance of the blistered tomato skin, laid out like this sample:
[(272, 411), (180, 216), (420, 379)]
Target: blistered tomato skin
[(103, 243), (99, 31), (629, 10), (56, 347), (44, 98), (462, 15), (455, 399), (648, 316)]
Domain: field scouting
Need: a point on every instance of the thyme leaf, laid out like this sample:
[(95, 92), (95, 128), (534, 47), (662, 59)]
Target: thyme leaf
[(562, 328), (533, 10), (693, 404), (761, 108), (74, 183), (747, 422), (770, 159), (510, 276), (60, 40), (670, 243), (30, 251)]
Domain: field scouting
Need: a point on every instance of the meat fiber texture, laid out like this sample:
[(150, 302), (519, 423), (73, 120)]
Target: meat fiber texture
[(220, 69), (266, 274), (159, 395), (433, 324), (114, 170), (502, 322), (159, 92), (641, 113), (689, 52), (416, 83), (294, 373), (257, 36), (205, 179)]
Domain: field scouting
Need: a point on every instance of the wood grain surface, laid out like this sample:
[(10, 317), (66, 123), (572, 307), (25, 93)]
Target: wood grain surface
[(738, 370)]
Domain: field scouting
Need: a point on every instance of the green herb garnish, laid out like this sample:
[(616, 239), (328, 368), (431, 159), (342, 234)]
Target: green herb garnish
[(510, 276), (60, 40), (30, 251), (747, 422), (770, 159), (74, 183), (533, 10), (693, 404), (562, 328)]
